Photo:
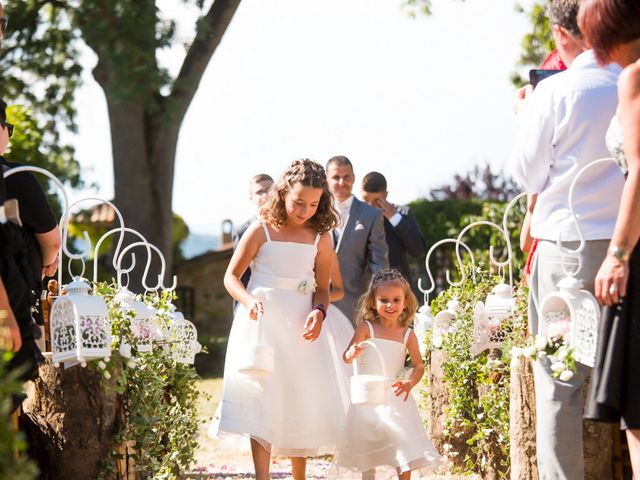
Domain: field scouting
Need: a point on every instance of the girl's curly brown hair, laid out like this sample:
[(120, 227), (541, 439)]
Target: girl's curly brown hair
[(367, 303), (308, 174)]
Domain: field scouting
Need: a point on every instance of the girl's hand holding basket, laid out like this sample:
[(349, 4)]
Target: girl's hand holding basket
[(313, 325), (255, 308), (354, 351)]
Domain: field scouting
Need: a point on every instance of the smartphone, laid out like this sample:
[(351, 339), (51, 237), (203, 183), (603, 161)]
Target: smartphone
[(537, 74)]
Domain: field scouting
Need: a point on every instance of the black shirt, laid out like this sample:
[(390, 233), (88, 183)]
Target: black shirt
[(35, 212)]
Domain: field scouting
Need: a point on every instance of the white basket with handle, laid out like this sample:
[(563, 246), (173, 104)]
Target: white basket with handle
[(369, 389), (256, 360)]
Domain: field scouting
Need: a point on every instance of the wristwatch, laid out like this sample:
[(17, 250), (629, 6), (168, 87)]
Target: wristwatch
[(619, 253)]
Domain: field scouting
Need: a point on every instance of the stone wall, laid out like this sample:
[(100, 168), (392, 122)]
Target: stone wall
[(213, 313)]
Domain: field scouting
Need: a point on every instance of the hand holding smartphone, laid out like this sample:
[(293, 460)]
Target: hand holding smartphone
[(538, 74)]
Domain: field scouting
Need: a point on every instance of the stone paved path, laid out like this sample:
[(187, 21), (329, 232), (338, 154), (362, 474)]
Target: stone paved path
[(218, 460)]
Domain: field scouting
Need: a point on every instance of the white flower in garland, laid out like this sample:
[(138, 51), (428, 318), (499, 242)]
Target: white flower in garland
[(560, 355), (566, 375), (540, 342), (307, 286)]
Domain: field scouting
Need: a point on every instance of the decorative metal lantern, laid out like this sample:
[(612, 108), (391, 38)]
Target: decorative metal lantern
[(159, 327), (489, 318), (572, 313), (184, 340), (445, 319), (422, 322), (80, 329), (141, 323)]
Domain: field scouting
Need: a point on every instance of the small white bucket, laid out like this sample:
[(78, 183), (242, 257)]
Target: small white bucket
[(256, 360), (369, 389)]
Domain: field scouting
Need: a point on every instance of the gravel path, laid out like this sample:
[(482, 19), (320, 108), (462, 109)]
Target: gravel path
[(219, 460)]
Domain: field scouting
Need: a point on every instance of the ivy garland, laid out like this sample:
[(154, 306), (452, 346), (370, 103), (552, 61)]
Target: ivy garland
[(478, 386), (157, 396), (14, 463)]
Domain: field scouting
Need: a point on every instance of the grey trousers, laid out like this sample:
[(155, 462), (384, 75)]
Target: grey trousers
[(559, 404)]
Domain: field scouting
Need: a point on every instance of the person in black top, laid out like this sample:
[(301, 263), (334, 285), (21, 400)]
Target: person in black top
[(40, 225), (29, 252), (401, 228)]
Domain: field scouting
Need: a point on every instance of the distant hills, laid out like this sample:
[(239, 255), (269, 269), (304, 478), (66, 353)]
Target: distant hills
[(197, 243)]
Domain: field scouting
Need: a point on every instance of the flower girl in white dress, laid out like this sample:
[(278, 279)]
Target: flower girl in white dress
[(296, 410), (389, 435)]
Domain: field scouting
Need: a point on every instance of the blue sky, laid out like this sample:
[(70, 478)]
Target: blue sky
[(416, 99)]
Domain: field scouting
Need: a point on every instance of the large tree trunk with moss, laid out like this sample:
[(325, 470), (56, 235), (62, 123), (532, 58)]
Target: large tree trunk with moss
[(522, 421), (70, 420)]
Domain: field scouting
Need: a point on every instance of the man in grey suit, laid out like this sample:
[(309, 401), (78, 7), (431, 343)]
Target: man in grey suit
[(401, 228), (359, 239)]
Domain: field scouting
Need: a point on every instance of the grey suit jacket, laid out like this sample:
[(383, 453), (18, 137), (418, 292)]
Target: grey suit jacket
[(362, 251)]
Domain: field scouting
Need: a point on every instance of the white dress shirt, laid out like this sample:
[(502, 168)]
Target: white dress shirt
[(562, 128), (395, 219), (344, 208)]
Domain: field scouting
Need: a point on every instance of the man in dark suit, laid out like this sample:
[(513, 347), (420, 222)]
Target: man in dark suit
[(358, 240), (259, 187), (401, 229)]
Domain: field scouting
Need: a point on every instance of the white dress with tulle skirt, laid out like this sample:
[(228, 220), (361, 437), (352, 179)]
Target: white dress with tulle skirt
[(299, 409), (389, 437)]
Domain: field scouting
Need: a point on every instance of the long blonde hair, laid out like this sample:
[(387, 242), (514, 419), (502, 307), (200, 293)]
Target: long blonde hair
[(308, 174), (367, 304)]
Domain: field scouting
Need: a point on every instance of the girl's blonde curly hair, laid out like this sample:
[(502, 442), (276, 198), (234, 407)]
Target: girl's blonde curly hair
[(308, 174), (367, 304)]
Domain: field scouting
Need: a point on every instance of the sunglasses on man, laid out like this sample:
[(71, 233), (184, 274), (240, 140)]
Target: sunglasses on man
[(4, 21), (9, 127)]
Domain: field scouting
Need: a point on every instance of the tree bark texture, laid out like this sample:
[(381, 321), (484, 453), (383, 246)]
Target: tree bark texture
[(439, 396), (70, 420), (145, 108), (598, 450), (522, 421)]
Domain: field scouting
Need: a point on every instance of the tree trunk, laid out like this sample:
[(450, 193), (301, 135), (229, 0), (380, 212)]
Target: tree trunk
[(522, 421), (70, 420), (144, 119), (598, 450), (143, 165), (439, 396)]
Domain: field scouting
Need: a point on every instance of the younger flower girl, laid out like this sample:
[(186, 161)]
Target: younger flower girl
[(388, 435)]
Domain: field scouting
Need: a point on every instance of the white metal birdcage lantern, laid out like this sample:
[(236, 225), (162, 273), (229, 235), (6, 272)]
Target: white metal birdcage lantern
[(445, 319), (79, 324), (184, 339), (159, 327), (142, 321), (573, 314), (422, 322), (490, 318)]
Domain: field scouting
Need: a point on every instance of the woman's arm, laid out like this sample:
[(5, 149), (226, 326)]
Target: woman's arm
[(526, 240), (49, 243), (242, 257), (336, 291), (8, 322), (611, 280)]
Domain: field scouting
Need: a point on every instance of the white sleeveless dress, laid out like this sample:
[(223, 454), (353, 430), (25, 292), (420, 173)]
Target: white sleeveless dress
[(389, 435), (299, 409)]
